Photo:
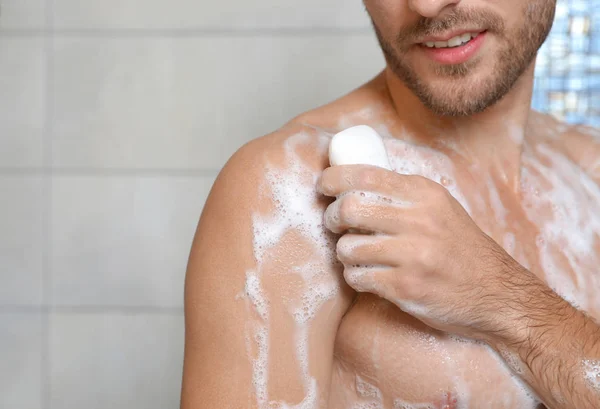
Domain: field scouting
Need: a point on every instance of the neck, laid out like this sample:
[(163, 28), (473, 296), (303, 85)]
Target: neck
[(490, 141)]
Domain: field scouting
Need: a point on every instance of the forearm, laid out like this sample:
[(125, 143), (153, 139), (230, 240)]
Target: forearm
[(558, 348)]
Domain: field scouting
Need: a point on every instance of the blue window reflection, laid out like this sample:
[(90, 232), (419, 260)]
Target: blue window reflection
[(567, 83)]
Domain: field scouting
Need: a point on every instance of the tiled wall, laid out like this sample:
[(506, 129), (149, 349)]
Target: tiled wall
[(568, 65), (115, 117)]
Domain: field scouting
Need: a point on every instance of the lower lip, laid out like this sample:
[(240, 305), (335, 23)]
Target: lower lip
[(456, 55)]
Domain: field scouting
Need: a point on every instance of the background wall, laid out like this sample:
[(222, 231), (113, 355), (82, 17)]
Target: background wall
[(115, 117)]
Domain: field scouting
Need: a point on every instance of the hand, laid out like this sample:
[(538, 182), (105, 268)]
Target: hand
[(409, 241)]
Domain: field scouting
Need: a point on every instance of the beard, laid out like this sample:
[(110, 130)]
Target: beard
[(460, 95)]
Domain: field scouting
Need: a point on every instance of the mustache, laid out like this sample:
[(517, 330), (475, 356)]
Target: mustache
[(457, 18)]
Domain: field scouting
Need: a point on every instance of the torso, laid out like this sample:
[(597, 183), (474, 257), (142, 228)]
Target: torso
[(384, 358)]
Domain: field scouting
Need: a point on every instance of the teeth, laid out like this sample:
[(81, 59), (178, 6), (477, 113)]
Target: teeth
[(465, 37), (453, 42), (456, 41)]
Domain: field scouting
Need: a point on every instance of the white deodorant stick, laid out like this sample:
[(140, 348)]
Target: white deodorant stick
[(359, 145)]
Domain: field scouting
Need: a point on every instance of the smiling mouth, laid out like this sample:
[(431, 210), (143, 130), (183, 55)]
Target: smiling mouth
[(453, 42), (456, 50)]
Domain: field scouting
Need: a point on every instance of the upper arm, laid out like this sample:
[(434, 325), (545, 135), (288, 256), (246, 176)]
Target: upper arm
[(263, 295)]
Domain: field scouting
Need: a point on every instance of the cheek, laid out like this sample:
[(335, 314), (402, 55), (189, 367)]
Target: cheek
[(389, 16)]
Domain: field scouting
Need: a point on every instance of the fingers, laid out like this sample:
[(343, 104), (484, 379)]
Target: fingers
[(369, 262), (362, 249), (365, 212), (399, 286), (337, 180), (389, 266), (367, 279)]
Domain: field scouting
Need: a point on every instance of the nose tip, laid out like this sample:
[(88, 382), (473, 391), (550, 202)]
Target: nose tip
[(431, 8)]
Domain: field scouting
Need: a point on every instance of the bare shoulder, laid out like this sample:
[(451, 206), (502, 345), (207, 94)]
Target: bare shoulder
[(264, 178), (281, 168), (584, 144), (580, 143), (294, 146), (262, 267)]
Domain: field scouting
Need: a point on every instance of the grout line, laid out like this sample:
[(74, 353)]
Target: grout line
[(188, 32), (46, 369), (125, 310), (21, 309), (106, 172), (91, 309)]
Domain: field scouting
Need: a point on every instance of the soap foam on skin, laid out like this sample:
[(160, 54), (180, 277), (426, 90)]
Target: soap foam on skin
[(513, 365), (592, 373), (409, 159), (256, 296), (509, 244), (595, 169), (496, 203), (316, 296), (367, 390), (260, 335), (370, 396), (294, 195), (521, 395), (368, 405), (516, 134), (573, 229), (400, 404)]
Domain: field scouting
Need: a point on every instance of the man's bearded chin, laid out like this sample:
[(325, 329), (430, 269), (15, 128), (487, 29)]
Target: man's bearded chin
[(464, 89)]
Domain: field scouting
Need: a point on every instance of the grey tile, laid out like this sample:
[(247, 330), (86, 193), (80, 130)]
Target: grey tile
[(116, 361), (22, 14), (123, 240), (21, 241), (22, 103), (191, 102), (194, 14), (20, 355)]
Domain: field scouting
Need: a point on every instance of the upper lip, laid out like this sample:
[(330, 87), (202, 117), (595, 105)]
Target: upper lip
[(450, 35)]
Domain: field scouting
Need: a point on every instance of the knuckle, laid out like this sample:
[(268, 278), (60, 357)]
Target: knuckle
[(425, 256), (348, 206), (325, 184), (354, 277), (376, 248), (369, 177), (408, 287), (344, 249), (331, 180), (331, 216), (429, 225)]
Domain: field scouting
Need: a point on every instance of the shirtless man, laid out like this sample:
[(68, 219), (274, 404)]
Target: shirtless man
[(486, 238)]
